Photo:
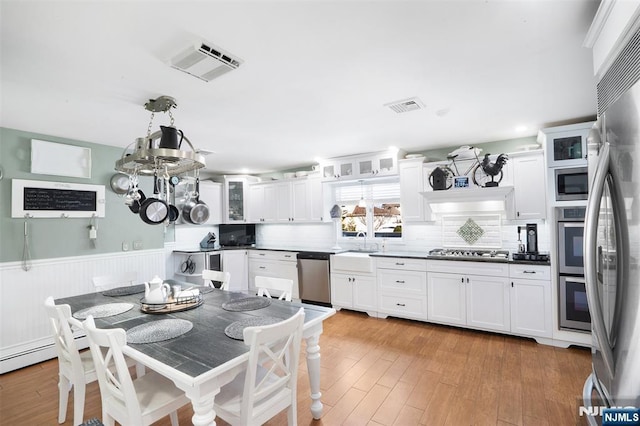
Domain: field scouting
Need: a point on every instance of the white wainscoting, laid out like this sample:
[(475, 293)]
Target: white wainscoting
[(24, 331)]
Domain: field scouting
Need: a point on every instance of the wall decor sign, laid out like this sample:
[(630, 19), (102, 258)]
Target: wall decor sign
[(461, 182), (43, 199)]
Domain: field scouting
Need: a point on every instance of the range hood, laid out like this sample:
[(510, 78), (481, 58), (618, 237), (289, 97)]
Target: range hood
[(464, 200)]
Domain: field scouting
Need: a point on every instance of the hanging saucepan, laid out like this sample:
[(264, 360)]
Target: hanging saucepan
[(174, 213), (154, 210), (195, 211), (137, 201)]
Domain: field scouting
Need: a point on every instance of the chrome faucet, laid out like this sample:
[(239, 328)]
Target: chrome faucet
[(364, 236)]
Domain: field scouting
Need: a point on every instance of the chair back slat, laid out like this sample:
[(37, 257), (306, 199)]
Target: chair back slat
[(266, 285)]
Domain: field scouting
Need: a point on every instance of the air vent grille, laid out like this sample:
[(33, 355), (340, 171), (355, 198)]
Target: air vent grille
[(204, 61), (623, 73), (406, 105)]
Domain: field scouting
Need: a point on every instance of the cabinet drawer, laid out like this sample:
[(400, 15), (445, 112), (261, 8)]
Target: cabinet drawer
[(402, 306), (530, 272), (273, 255), (494, 269), (402, 263), (410, 282)]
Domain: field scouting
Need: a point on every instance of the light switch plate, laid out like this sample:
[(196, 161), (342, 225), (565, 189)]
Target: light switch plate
[(125, 246), (137, 245)]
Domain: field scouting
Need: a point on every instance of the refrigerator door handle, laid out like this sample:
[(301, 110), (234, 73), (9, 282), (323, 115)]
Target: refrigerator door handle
[(590, 258), (587, 391)]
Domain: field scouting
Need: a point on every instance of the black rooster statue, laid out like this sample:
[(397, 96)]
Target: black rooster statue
[(493, 169)]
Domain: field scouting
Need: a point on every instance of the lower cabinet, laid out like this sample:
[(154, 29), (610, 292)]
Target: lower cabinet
[(402, 288), (276, 264), (531, 310), (354, 291), (235, 262), (479, 300)]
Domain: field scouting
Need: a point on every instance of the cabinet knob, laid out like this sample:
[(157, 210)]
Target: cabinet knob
[(511, 283), (462, 280)]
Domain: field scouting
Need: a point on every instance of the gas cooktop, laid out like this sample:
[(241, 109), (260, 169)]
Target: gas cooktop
[(477, 254)]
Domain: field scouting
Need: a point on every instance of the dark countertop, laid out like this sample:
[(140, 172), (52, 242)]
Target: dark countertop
[(419, 255), (389, 254)]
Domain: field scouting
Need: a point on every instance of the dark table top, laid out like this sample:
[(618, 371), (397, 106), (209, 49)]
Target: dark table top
[(206, 346)]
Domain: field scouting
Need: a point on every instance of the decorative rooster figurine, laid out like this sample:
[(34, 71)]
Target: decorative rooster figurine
[(493, 169)]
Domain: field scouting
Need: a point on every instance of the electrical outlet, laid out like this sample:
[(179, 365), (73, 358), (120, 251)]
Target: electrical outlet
[(137, 245), (125, 246)]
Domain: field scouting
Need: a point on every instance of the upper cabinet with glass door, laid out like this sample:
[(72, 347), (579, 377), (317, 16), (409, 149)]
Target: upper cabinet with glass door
[(566, 146), (362, 166)]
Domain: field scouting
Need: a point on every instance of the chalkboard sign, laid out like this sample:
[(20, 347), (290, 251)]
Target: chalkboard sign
[(42, 199), (59, 199)]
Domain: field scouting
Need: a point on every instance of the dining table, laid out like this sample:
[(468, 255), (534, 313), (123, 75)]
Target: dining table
[(204, 358)]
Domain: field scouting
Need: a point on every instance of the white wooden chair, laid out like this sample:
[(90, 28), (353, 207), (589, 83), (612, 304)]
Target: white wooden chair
[(266, 284), (107, 282), (223, 277), (268, 385), (129, 402), (75, 369)]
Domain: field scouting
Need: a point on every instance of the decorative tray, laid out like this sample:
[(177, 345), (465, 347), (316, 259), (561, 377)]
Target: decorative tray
[(171, 305)]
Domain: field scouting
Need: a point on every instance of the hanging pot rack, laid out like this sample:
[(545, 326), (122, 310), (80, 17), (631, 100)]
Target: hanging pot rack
[(148, 159)]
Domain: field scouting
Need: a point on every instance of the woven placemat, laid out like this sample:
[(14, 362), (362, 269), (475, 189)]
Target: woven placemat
[(246, 304), (235, 329), (102, 311), (158, 331), (124, 291)]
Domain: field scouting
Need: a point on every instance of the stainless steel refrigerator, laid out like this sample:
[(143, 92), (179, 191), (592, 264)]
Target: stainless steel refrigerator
[(612, 237)]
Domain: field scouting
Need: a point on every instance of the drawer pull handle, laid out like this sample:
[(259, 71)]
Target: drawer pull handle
[(400, 263), (400, 304), (287, 255), (263, 267), (400, 281), (528, 272), (261, 254)]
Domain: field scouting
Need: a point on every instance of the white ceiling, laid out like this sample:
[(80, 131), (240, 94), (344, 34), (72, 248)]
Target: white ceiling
[(315, 76)]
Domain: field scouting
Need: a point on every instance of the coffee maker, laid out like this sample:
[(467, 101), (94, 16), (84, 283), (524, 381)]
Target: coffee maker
[(531, 238)]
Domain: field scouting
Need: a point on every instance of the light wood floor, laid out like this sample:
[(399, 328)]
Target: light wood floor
[(385, 372)]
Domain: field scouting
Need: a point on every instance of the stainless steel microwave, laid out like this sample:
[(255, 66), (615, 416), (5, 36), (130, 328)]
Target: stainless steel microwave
[(571, 184)]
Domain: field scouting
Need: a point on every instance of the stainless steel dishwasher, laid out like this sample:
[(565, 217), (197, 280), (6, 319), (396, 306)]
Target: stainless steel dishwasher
[(313, 278)]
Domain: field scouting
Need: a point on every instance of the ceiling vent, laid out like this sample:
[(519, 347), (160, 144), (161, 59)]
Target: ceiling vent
[(406, 105), (205, 61)]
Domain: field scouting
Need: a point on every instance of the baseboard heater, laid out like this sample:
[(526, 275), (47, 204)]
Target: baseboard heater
[(35, 355)]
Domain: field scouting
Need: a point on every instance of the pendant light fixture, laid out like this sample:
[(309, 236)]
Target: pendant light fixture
[(362, 202), (161, 152)]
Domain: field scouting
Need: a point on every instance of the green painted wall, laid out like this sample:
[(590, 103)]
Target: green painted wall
[(51, 238), (494, 148)]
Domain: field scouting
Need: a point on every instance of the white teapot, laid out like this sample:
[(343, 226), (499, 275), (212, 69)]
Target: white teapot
[(156, 290)]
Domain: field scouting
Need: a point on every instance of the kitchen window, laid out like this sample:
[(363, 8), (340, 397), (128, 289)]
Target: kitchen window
[(370, 209)]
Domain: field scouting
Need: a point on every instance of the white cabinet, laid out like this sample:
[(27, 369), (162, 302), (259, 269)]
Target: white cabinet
[(610, 29), (353, 283), (339, 169), (402, 287), (263, 202), (528, 174), (276, 264), (354, 291), (235, 198), (362, 166), (211, 195), (488, 302), (236, 263), (378, 165), (566, 146), (290, 201), (531, 310), (412, 179), (473, 294)]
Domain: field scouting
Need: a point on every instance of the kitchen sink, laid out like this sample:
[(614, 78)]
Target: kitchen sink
[(352, 261)]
